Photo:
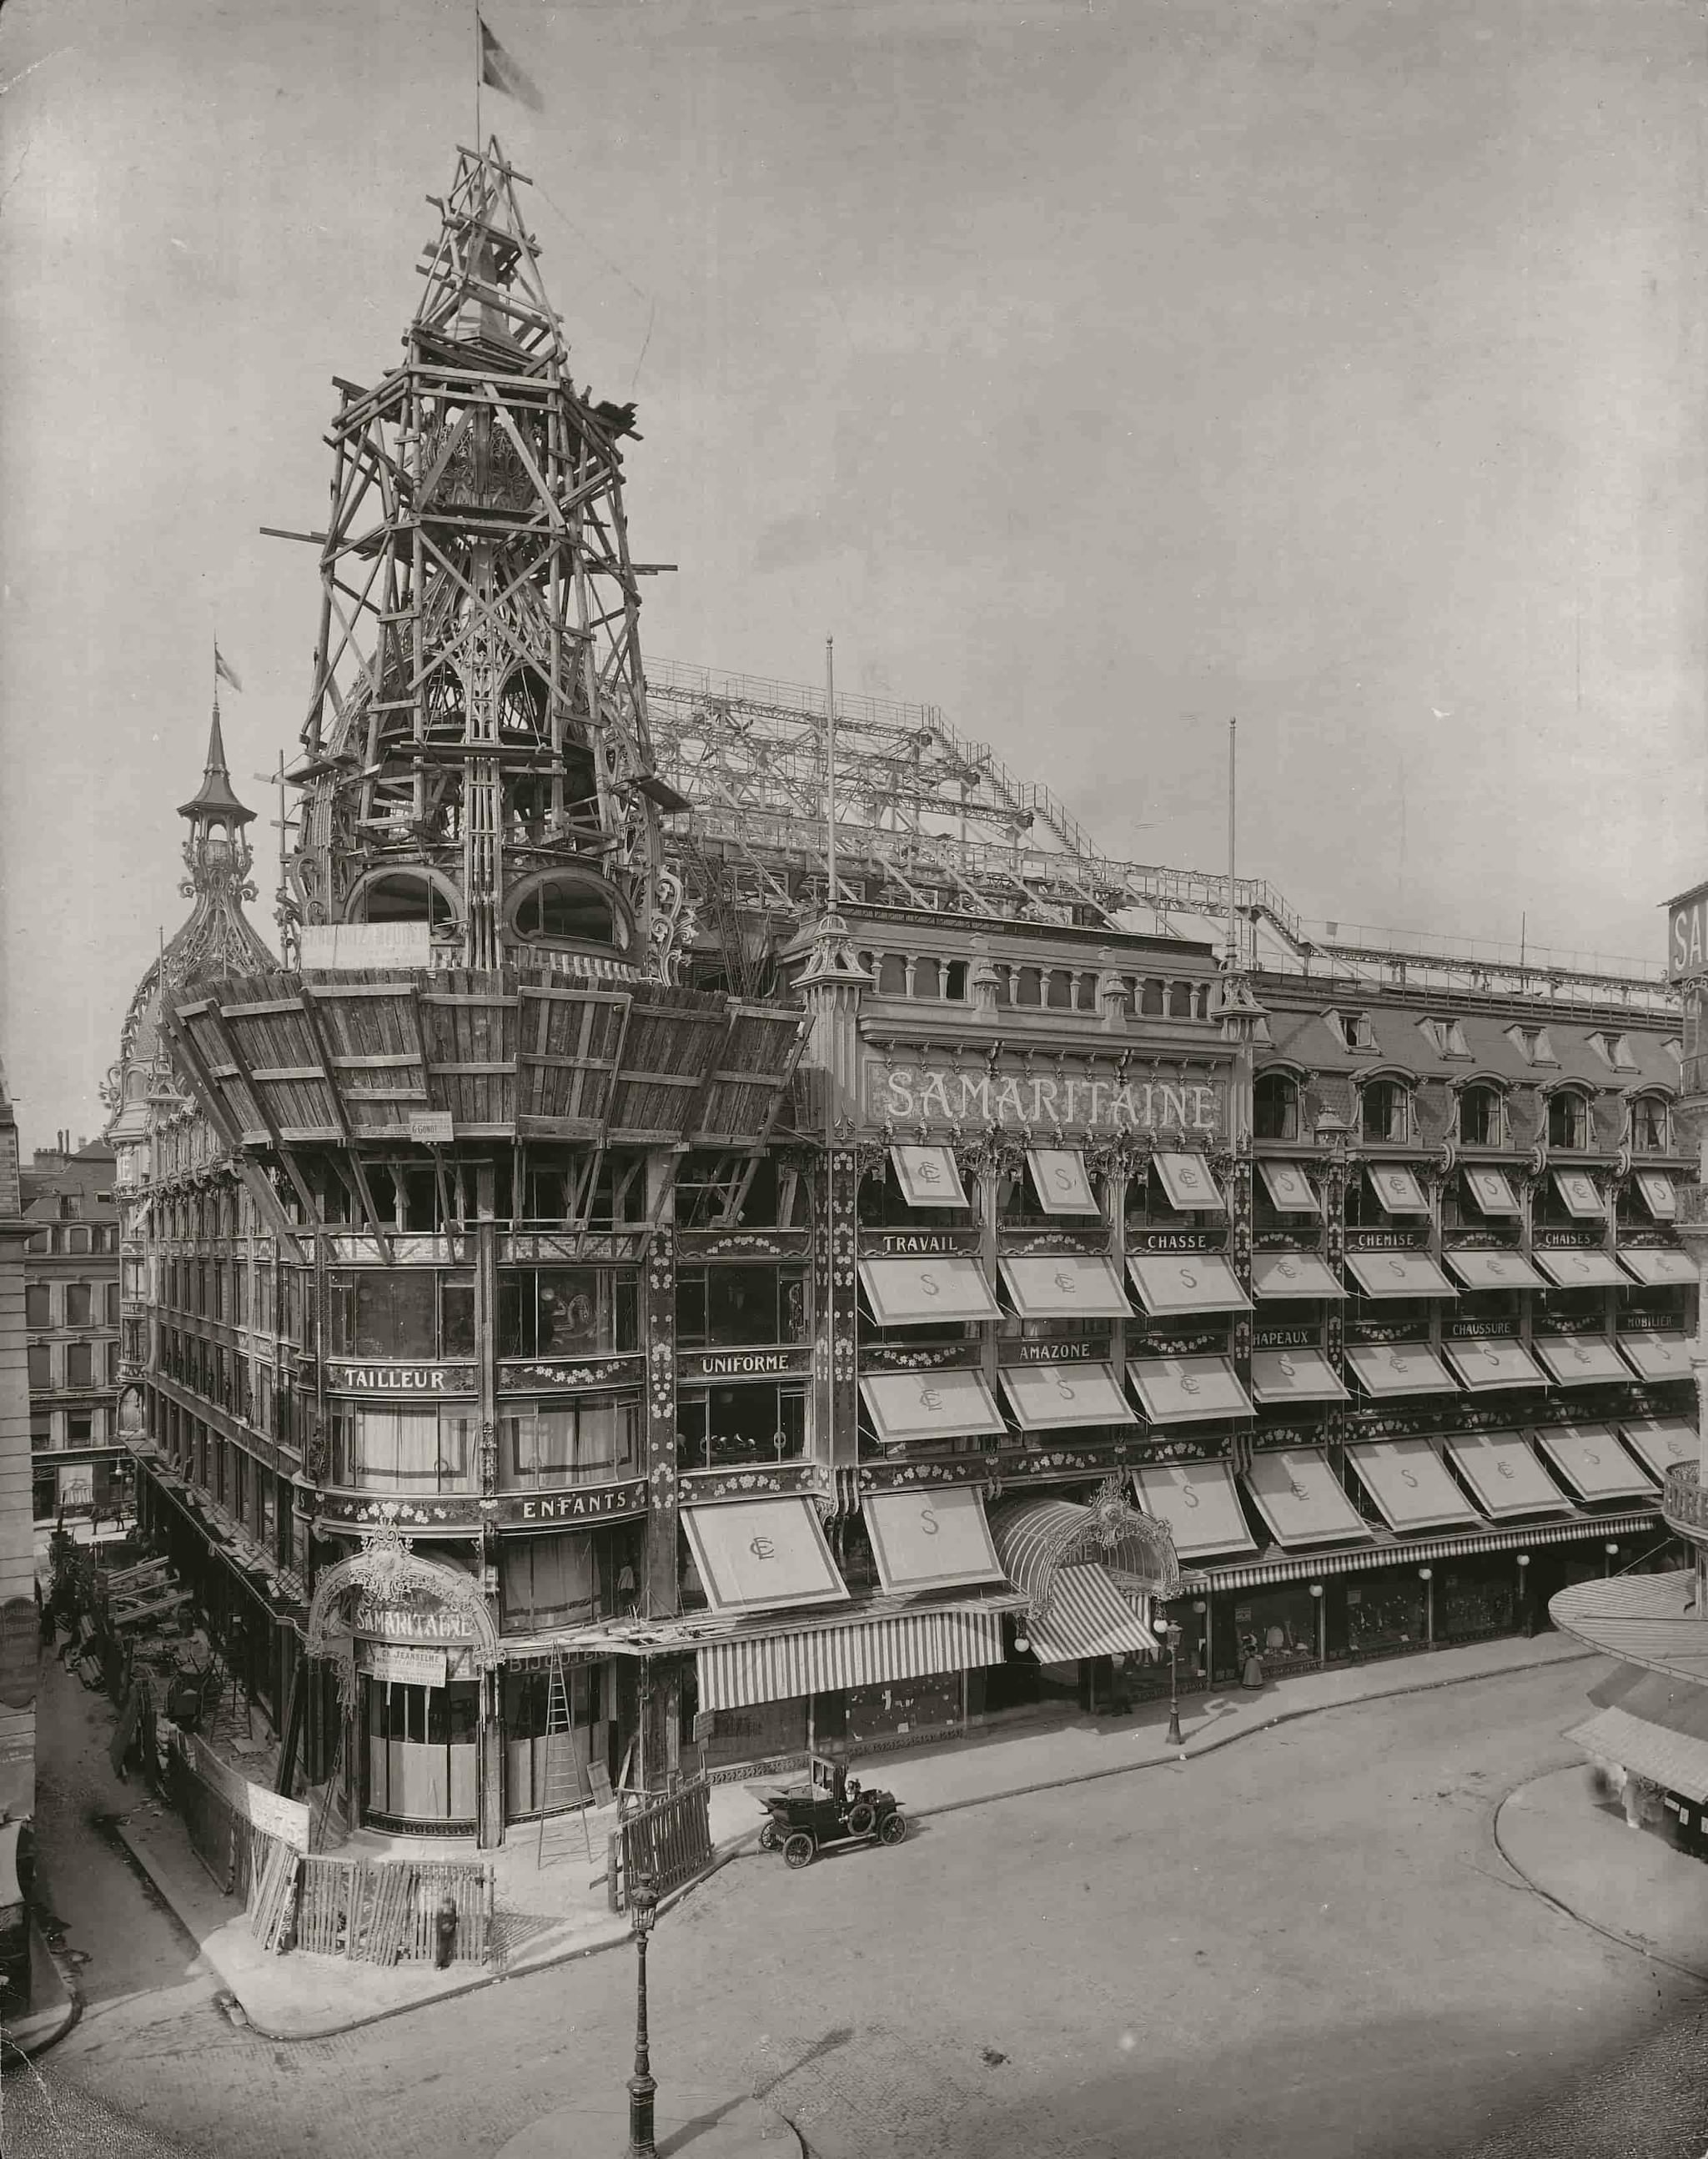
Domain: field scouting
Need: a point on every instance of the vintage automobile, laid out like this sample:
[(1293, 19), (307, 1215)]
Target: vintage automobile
[(830, 1809)]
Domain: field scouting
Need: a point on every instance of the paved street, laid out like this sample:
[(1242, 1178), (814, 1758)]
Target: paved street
[(1306, 1944)]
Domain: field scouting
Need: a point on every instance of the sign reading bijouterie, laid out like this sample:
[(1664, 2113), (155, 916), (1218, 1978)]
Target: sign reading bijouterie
[(911, 1094), (743, 1363), (401, 1378), (603, 1504)]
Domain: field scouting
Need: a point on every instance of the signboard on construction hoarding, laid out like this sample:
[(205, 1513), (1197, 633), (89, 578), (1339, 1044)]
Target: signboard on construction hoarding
[(287, 1820), (402, 1666), (335, 944), (1687, 935)]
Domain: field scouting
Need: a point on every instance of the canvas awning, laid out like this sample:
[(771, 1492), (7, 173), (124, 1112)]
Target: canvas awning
[(1673, 1760), (1659, 1195), (1292, 1275), (1657, 1269), (1581, 1360), (1197, 1501), (1290, 1188), (1046, 1397), (1505, 1475), (944, 1286), (1581, 1194), (1187, 1180), (1064, 1285), (1300, 1496), (1496, 1361), (758, 1554), (1187, 1390), (1492, 1191), (1663, 1443), (752, 1669), (1485, 1270), (1396, 1189), (1411, 1486), (1593, 1462), (1571, 1269), (1399, 1274), (930, 1539), (1657, 1356), (929, 1404), (1294, 1375), (1059, 1178), (929, 1176), (1168, 1282), (1088, 1617), (1399, 1367)]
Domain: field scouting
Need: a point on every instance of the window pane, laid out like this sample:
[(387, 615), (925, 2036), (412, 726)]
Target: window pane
[(741, 1304), (80, 1365), (35, 1306), (456, 1315), (568, 1307), (394, 1314), (77, 1304)]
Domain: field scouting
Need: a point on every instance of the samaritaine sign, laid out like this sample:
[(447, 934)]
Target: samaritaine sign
[(948, 1095), (1687, 935)]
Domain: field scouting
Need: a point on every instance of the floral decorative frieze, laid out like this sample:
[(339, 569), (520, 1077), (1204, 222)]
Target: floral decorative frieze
[(699, 1486), (942, 1356), (538, 1372)]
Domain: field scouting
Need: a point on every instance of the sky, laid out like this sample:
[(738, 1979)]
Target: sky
[(1092, 372)]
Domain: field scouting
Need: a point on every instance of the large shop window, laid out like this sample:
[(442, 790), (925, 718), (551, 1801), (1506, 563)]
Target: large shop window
[(421, 1751), (722, 1191), (548, 1581), (1410, 1485), (740, 1306), (405, 1450), (567, 1312), (594, 1441), (402, 1312), (733, 1427)]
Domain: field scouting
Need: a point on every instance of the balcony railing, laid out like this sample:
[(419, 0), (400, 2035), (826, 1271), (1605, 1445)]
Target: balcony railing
[(1683, 1503)]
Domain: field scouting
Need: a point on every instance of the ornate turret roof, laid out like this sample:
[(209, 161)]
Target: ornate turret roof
[(214, 801)]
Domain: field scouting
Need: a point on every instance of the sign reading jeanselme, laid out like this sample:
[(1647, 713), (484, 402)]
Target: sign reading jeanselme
[(910, 1094)]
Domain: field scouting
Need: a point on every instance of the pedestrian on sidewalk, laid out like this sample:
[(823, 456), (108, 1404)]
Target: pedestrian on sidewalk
[(1251, 1663)]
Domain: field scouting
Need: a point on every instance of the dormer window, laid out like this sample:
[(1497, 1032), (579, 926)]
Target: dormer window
[(1385, 1111), (1480, 1120), (1614, 1050), (1650, 1126), (1568, 1122), (1445, 1037), (1675, 1048), (1274, 1107), (1532, 1044), (1355, 1029)]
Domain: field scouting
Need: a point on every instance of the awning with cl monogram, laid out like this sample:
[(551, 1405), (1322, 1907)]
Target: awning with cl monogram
[(759, 1554), (1581, 1360), (1485, 1270), (1064, 1285), (1657, 1268), (1505, 1475), (1292, 1275), (929, 1176), (1300, 1496), (1187, 1390), (1399, 1367), (929, 1404), (1187, 1180)]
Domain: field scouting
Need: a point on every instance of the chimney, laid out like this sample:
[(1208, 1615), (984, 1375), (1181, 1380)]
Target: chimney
[(81, 1142)]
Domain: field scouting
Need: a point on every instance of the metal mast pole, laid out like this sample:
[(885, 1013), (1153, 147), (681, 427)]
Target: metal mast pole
[(831, 765), (1233, 738)]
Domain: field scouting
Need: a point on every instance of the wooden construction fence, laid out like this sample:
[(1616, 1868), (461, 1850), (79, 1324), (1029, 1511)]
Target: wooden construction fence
[(668, 1842), (221, 1836), (386, 1912)]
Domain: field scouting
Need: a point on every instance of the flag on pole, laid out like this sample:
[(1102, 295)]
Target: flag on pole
[(223, 672), (499, 71)]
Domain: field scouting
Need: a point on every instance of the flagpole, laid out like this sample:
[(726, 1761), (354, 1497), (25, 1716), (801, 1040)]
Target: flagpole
[(479, 57)]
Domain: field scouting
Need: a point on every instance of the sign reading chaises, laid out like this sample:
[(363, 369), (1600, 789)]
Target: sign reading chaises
[(910, 1094)]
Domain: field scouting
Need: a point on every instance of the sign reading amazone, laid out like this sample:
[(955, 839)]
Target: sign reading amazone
[(911, 1094)]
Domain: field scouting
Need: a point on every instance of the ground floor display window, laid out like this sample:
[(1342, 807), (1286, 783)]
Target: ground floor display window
[(422, 1749), (1386, 1613), (1477, 1598), (901, 1709), (756, 1732), (1278, 1625), (545, 1768)]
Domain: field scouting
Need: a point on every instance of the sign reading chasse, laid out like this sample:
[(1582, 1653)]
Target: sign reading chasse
[(911, 1094)]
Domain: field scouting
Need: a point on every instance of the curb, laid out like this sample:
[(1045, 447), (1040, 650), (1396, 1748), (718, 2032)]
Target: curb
[(1570, 1911), (9, 2047), (746, 1846)]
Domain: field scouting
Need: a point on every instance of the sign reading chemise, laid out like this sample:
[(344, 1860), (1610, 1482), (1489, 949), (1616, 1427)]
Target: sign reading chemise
[(911, 1094)]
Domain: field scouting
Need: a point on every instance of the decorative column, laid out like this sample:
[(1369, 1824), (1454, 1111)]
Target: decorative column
[(660, 1592)]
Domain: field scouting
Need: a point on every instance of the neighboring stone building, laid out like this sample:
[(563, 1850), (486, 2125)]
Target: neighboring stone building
[(19, 1635), (72, 1311)]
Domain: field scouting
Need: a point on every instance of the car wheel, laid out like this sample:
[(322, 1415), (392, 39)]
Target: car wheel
[(892, 1829), (768, 1837), (799, 1850), (863, 1820)]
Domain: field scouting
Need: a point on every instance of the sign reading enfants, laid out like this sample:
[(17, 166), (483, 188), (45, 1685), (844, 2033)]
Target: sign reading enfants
[(911, 1094)]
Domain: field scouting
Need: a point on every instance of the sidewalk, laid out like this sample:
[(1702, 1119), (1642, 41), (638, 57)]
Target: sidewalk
[(54, 2006), (1577, 1850), (713, 2125), (303, 1997)]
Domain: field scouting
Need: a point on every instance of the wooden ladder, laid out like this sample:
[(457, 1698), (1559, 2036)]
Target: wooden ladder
[(565, 1786)]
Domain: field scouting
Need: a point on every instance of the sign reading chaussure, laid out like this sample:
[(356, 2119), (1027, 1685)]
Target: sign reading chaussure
[(911, 1094)]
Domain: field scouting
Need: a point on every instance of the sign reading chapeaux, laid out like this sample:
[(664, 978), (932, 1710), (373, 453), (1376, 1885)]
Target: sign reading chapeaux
[(913, 1094)]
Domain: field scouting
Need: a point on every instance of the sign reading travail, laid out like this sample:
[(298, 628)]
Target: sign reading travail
[(911, 1094)]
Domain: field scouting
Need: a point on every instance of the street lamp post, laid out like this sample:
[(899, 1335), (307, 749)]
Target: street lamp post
[(643, 1903), (1172, 1635)]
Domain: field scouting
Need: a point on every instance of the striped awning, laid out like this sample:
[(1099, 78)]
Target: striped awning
[(1396, 1551), (1088, 1617), (1036, 1538), (1673, 1760), (737, 1673)]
